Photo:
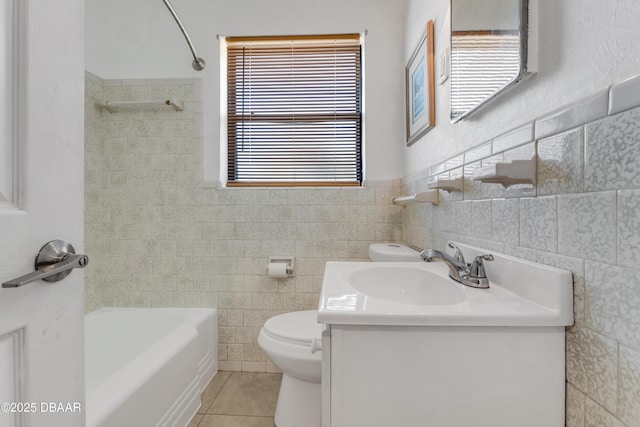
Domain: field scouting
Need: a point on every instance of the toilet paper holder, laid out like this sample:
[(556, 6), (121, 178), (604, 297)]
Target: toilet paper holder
[(274, 269)]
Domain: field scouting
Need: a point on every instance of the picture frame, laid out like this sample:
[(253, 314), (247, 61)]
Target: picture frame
[(420, 88)]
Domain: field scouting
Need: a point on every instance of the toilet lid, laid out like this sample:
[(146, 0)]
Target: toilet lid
[(298, 327)]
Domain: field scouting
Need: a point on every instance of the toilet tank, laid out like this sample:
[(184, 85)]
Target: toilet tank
[(393, 252)]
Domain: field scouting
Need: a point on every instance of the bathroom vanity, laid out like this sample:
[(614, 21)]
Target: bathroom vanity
[(405, 345)]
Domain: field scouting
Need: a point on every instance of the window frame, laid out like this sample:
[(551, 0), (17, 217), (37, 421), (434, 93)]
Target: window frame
[(231, 119)]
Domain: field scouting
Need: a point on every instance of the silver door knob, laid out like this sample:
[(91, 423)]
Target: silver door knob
[(54, 262)]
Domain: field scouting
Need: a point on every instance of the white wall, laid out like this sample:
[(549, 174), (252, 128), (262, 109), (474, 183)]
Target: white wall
[(139, 40), (584, 46)]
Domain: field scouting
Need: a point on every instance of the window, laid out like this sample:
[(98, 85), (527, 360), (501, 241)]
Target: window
[(294, 113)]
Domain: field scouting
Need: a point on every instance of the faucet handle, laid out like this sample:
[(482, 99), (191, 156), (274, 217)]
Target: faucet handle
[(477, 268), (457, 253)]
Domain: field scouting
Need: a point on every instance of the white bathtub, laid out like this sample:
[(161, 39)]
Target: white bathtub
[(147, 366)]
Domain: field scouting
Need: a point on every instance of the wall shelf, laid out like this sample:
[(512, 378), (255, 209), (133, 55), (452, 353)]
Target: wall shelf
[(507, 174), (112, 106), (448, 185)]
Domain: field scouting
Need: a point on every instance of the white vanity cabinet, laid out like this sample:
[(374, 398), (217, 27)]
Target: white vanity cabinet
[(439, 376), (405, 346)]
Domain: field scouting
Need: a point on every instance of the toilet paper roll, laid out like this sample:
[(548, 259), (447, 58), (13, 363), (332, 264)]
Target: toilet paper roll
[(278, 270)]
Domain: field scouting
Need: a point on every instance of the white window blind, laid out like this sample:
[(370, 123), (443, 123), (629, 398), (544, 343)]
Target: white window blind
[(294, 110)]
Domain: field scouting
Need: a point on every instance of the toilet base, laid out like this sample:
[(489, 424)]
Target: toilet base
[(299, 403)]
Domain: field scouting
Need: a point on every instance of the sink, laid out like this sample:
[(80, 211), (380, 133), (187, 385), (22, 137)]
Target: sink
[(521, 293), (407, 285)]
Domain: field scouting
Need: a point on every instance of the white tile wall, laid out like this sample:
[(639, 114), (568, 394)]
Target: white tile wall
[(628, 226), (613, 301), (588, 109), (513, 138), (629, 386), (587, 225), (624, 95), (175, 243), (539, 223), (612, 152), (505, 221), (591, 365), (583, 216), (561, 163)]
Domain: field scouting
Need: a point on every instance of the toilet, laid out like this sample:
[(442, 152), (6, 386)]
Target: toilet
[(293, 342), (393, 252)]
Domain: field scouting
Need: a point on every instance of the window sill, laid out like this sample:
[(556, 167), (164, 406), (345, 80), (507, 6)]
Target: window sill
[(293, 184)]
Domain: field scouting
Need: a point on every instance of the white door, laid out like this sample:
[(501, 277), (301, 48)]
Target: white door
[(41, 199)]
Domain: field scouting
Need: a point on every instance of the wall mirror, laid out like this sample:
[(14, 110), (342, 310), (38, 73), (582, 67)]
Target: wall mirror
[(488, 51)]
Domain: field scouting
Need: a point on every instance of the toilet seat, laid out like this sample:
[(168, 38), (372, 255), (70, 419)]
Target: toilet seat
[(299, 328)]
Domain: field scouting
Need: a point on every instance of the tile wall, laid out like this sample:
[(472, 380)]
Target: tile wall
[(583, 215), (158, 238)]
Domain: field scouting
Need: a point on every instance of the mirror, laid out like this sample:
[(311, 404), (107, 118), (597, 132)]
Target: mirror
[(488, 51)]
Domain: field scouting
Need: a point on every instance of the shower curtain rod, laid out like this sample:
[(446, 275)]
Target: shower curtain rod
[(198, 63)]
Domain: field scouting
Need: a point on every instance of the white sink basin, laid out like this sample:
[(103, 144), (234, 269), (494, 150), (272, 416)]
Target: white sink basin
[(521, 293), (407, 285)]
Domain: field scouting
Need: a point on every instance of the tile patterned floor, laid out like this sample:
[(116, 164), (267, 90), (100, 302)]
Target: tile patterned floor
[(239, 399)]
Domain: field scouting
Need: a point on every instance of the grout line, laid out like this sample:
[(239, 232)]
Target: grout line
[(217, 394), (205, 416), (210, 416), (201, 418), (617, 228)]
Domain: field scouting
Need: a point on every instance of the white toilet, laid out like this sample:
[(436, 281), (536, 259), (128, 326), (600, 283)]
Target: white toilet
[(293, 343), (393, 252)]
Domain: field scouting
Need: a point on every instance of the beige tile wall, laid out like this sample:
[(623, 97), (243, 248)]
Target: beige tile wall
[(156, 238), (584, 216)]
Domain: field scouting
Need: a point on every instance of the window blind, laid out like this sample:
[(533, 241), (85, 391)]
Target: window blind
[(483, 63), (294, 112)]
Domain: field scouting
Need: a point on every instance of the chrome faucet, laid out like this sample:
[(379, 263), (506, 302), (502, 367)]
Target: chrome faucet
[(473, 275)]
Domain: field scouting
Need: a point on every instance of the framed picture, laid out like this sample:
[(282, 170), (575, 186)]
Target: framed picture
[(420, 84)]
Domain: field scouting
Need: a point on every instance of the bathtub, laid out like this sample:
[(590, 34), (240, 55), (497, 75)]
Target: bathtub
[(147, 366)]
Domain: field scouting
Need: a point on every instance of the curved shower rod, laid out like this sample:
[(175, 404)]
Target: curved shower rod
[(198, 63)]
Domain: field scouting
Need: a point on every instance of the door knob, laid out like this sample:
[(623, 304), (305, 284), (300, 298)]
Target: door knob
[(54, 262)]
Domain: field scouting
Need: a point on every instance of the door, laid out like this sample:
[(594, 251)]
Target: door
[(41, 199)]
